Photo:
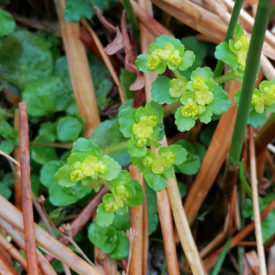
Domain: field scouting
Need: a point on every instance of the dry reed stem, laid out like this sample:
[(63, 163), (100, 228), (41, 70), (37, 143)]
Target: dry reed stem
[(13, 251), (186, 6), (32, 265), (267, 68), (209, 24), (166, 222), (79, 70), (105, 58), (136, 224), (18, 238), (6, 267), (264, 136), (148, 21), (214, 158), (255, 201), (17, 181), (13, 216)]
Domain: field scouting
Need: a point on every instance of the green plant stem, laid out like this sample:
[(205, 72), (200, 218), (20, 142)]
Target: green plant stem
[(221, 258), (106, 150), (132, 18), (249, 80), (245, 184), (230, 31), (115, 147), (242, 190), (231, 75)]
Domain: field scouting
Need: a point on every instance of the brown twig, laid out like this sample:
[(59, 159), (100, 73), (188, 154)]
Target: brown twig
[(17, 181), (83, 217), (79, 70), (165, 218), (9, 158), (239, 237), (32, 265), (256, 209), (13, 251), (136, 224), (13, 216)]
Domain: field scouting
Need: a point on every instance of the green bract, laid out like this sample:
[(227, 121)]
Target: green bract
[(158, 169), (201, 97), (87, 164), (235, 51), (165, 51), (263, 99), (143, 126)]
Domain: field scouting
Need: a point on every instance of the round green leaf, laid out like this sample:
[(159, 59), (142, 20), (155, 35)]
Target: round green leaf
[(43, 154), (122, 248), (24, 58), (7, 24), (46, 96), (183, 123), (104, 218), (156, 182), (68, 128), (48, 171)]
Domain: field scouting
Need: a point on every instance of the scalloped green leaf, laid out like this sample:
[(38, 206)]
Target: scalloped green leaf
[(126, 119), (160, 90), (68, 128), (188, 60), (7, 23), (104, 218), (156, 182), (24, 58), (224, 54), (183, 123), (256, 119)]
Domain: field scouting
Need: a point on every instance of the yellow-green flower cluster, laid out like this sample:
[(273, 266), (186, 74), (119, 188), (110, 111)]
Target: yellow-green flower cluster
[(87, 164), (239, 47), (169, 53), (196, 94), (264, 97), (160, 163), (143, 129), (91, 166)]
